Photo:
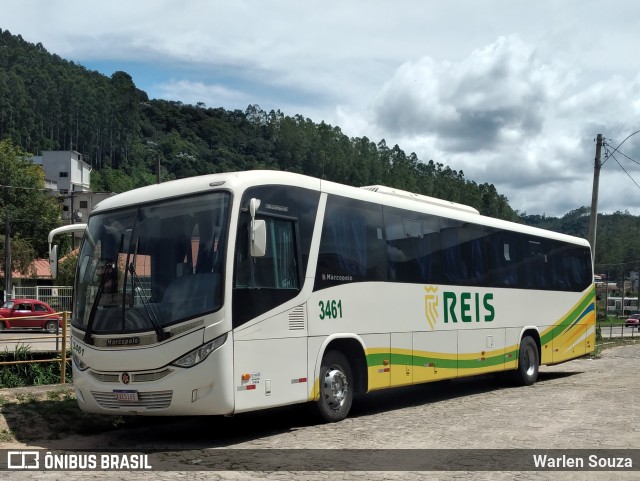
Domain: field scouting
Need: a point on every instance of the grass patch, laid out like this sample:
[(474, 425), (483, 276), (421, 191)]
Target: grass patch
[(611, 321), (603, 344), (6, 436), (31, 374), (60, 394)]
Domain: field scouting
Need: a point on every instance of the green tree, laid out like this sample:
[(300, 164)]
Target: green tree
[(31, 210), (67, 269), (22, 255)]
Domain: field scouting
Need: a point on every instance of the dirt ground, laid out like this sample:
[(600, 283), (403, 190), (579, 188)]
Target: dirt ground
[(583, 404)]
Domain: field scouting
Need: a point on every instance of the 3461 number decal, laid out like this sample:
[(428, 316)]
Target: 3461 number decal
[(330, 309)]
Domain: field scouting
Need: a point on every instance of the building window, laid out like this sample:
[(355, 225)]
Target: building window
[(64, 174), (83, 204)]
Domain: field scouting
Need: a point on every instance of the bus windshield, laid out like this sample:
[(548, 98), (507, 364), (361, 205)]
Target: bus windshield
[(147, 267)]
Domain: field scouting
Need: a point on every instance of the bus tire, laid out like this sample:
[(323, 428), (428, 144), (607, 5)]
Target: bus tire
[(336, 387), (528, 363)]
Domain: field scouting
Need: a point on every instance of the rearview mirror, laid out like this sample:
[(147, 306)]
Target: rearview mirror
[(53, 249), (258, 238), (257, 231)]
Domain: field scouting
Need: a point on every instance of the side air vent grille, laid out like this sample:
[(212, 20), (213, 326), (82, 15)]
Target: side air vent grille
[(296, 319)]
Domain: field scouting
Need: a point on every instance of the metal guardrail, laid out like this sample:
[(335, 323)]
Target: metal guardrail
[(60, 337), (618, 330)]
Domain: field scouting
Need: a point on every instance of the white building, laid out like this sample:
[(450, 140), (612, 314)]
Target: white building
[(67, 168), (69, 176)]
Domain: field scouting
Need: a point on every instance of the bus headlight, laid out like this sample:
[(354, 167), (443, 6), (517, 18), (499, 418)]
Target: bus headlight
[(79, 364), (201, 353)]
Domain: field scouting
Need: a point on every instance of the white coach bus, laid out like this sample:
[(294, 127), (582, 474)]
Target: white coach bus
[(233, 292)]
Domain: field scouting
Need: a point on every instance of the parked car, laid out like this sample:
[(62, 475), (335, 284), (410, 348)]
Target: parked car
[(28, 314), (633, 321)]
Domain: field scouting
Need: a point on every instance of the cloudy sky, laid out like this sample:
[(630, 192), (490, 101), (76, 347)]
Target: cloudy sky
[(510, 92)]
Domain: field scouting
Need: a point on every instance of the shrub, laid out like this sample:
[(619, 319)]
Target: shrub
[(30, 374)]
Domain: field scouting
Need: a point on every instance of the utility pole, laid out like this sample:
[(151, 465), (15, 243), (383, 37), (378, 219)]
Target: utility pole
[(158, 169), (7, 258), (593, 222)]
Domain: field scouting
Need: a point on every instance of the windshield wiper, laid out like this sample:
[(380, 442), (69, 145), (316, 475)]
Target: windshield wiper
[(160, 333), (109, 266)]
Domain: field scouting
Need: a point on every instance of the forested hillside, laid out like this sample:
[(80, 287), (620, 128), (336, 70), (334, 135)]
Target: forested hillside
[(48, 103), (617, 240)]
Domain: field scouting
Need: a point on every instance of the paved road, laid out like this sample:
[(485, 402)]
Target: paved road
[(582, 404), (35, 340)]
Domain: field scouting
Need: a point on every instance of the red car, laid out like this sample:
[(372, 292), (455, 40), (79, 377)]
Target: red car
[(28, 314), (633, 321)]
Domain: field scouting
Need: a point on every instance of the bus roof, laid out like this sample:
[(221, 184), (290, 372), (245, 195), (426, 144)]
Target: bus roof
[(239, 181), (383, 189)]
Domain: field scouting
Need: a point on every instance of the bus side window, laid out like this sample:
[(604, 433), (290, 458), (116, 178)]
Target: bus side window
[(455, 267), (503, 259), (353, 247), (278, 268), (576, 262), (413, 246), (349, 240), (477, 258)]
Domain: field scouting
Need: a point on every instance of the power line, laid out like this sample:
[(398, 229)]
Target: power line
[(625, 171), (625, 139), (625, 155), (610, 154), (30, 188)]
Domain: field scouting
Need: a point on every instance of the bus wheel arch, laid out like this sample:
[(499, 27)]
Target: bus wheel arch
[(529, 353), (342, 374)]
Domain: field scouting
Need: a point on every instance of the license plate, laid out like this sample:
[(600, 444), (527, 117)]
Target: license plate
[(123, 395)]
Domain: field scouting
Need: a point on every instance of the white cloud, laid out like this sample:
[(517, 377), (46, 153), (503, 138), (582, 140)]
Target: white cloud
[(511, 93), (497, 94), (507, 116)]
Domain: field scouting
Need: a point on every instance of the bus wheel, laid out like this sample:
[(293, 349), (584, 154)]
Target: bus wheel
[(336, 387), (528, 363)]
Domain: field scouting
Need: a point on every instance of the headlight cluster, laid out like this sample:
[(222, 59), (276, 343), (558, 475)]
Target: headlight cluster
[(78, 362), (200, 354)]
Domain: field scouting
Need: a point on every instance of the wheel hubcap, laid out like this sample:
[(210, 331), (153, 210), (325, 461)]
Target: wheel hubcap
[(335, 388), (528, 361)]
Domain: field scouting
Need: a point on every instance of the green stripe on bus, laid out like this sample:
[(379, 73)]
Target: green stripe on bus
[(569, 319)]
